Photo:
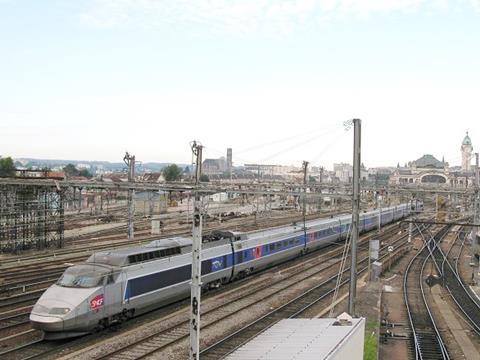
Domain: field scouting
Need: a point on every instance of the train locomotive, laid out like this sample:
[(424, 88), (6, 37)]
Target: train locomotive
[(112, 286)]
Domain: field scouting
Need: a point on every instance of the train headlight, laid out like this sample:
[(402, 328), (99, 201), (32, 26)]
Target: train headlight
[(59, 311), (40, 309)]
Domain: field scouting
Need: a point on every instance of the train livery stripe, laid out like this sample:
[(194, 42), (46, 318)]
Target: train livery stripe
[(148, 283), (156, 281)]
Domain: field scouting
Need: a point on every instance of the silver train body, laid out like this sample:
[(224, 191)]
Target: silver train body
[(115, 285)]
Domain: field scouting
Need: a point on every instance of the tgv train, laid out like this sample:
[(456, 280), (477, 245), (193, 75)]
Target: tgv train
[(112, 286)]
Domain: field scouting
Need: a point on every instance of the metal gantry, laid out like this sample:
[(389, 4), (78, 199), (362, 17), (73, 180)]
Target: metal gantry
[(31, 217)]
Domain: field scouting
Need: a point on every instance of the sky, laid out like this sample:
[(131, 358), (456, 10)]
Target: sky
[(273, 79)]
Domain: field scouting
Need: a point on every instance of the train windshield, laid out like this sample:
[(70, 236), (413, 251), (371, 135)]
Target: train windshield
[(83, 281), (81, 277)]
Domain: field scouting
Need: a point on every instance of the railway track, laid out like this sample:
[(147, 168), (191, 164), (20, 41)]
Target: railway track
[(426, 341), (240, 224), (21, 277), (34, 349), (9, 322), (31, 347), (38, 348), (466, 302), (178, 332), (305, 263), (292, 309)]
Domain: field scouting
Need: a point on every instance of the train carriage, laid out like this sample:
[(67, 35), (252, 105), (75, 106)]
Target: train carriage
[(115, 285)]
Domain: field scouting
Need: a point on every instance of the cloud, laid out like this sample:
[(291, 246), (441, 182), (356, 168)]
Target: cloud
[(244, 16)]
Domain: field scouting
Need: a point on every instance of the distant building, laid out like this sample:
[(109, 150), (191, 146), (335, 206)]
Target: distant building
[(214, 166), (466, 150), (266, 170), (229, 161), (150, 202), (156, 177), (115, 177), (343, 172), (218, 197), (428, 169)]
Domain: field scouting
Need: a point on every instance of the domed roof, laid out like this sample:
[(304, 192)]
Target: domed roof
[(467, 140), (429, 161)]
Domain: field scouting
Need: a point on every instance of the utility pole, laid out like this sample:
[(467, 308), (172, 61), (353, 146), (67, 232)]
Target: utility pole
[(196, 284), (320, 199), (130, 162), (304, 210), (357, 123)]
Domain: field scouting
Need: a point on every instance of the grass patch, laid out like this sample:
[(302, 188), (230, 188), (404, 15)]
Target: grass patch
[(370, 346)]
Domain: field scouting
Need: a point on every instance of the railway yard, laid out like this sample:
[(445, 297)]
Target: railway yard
[(240, 180), (419, 306)]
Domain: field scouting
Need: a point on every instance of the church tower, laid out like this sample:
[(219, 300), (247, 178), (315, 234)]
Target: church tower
[(467, 150)]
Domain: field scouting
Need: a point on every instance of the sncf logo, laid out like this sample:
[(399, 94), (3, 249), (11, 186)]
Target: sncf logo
[(96, 302), (217, 264)]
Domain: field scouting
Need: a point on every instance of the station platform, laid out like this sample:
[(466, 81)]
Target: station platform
[(307, 339)]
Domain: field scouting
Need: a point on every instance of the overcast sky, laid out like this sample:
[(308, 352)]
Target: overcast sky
[(273, 79)]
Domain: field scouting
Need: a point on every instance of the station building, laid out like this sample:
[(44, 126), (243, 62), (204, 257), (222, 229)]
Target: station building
[(428, 169)]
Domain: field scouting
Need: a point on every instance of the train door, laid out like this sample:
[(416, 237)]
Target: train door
[(113, 291)]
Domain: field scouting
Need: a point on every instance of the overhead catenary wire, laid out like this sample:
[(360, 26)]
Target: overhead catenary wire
[(343, 262), (301, 141)]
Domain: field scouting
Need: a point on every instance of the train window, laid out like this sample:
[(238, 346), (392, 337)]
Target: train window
[(110, 279), (271, 247), (291, 242), (153, 255), (80, 280), (278, 245)]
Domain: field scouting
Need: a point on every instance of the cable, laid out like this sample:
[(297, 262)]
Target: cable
[(346, 249)]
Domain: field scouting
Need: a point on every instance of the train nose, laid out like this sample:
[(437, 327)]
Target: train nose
[(46, 323), (49, 315)]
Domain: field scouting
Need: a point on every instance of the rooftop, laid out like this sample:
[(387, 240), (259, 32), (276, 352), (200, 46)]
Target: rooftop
[(429, 161), (302, 339), (467, 140)]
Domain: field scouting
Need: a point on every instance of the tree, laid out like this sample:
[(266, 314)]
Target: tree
[(172, 173), (7, 167), (85, 173), (71, 170)]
